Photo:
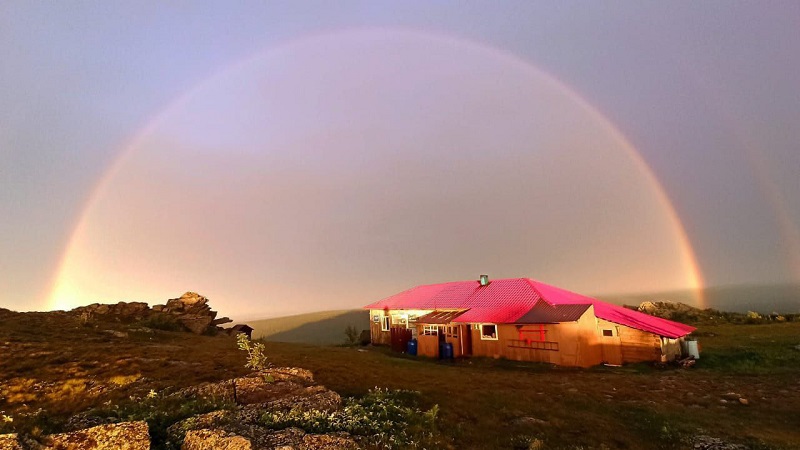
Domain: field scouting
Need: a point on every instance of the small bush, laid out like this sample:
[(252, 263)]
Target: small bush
[(352, 335), (256, 354)]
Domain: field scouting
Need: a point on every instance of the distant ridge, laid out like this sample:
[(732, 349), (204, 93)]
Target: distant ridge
[(320, 328), (762, 298)]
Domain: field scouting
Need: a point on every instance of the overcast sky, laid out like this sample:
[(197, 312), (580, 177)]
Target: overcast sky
[(291, 156)]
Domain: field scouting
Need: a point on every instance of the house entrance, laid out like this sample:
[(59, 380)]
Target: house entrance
[(466, 339)]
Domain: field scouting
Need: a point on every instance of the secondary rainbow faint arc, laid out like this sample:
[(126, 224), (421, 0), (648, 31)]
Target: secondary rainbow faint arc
[(693, 275)]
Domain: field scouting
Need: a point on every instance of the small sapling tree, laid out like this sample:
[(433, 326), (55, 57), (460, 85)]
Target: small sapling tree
[(256, 355)]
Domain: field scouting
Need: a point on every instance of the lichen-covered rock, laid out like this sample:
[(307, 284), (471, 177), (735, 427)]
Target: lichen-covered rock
[(214, 440), (191, 310), (336, 441), (310, 398), (10, 442), (196, 324), (119, 436)]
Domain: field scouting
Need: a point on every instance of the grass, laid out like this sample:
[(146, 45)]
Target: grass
[(62, 367)]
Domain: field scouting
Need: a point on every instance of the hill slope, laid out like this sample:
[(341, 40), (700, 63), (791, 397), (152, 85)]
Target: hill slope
[(321, 328)]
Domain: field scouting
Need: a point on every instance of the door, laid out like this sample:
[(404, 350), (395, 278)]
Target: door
[(465, 334)]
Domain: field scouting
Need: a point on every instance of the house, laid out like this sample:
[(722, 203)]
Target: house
[(241, 328), (525, 320)]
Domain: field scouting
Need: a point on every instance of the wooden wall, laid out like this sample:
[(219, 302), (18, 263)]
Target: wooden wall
[(635, 345), (427, 345), (378, 337), (566, 344)]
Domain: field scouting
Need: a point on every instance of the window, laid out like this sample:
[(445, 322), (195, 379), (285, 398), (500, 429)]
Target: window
[(386, 323), (452, 331), (430, 330), (608, 332), (488, 332)]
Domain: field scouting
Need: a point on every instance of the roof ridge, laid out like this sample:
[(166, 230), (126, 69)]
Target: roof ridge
[(533, 286)]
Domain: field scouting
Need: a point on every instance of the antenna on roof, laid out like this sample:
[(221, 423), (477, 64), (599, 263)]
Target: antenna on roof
[(484, 280)]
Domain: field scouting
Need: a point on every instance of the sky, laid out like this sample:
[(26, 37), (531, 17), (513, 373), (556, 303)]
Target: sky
[(283, 157)]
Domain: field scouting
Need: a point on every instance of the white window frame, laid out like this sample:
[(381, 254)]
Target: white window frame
[(430, 330), (386, 323), (486, 337)]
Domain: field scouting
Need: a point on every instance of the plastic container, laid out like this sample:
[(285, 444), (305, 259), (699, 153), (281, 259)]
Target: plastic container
[(412, 347), (448, 351), (693, 349)]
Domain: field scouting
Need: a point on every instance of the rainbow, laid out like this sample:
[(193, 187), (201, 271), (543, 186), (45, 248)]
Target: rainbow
[(693, 276)]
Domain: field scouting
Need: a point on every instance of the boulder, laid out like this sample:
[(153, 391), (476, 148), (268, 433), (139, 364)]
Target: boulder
[(214, 440), (196, 324), (118, 436), (10, 442)]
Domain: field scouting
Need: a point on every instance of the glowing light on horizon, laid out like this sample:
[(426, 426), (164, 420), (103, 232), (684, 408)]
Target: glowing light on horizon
[(242, 153)]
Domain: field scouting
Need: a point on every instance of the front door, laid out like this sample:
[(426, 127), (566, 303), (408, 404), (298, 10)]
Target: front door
[(465, 334)]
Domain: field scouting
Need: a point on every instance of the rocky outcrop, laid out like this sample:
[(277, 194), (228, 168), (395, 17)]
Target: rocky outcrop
[(272, 390), (190, 311), (241, 427), (118, 436), (668, 310)]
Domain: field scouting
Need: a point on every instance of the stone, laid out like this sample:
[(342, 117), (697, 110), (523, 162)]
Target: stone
[(528, 420), (744, 401), (220, 321), (704, 442), (214, 440), (311, 398), (647, 307), (333, 441), (196, 324), (10, 442), (733, 396), (119, 436)]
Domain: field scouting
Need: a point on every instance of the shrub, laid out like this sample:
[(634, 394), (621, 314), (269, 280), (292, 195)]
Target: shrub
[(256, 355), (352, 335)]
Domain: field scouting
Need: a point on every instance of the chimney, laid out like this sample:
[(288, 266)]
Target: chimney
[(484, 280)]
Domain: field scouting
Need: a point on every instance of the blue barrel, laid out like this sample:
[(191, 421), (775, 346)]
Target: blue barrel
[(442, 350), (448, 351), (412, 347)]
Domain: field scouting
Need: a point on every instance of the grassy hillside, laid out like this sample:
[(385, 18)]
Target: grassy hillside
[(62, 365), (321, 328)]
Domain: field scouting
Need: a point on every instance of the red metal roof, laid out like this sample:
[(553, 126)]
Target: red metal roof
[(507, 300)]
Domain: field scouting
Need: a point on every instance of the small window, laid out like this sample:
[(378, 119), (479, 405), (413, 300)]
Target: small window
[(608, 332), (430, 330), (386, 323), (488, 332)]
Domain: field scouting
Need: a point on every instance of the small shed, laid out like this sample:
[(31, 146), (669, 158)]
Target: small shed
[(241, 328)]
